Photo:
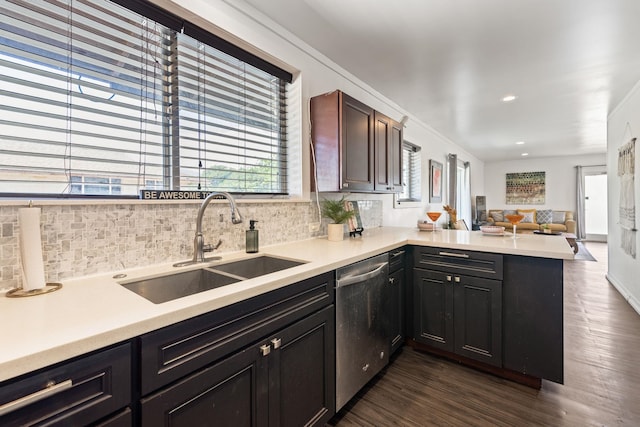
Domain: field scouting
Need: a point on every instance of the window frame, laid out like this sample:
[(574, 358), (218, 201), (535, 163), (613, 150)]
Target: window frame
[(410, 168), (178, 24)]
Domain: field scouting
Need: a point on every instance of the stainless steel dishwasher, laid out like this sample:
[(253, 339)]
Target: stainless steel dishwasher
[(362, 327)]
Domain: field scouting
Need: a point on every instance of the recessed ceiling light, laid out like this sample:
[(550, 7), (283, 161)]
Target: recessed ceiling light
[(520, 143), (509, 98), (524, 154)]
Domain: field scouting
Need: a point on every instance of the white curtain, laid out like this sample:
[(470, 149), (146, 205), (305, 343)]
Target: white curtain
[(580, 229), (627, 210), (452, 171)]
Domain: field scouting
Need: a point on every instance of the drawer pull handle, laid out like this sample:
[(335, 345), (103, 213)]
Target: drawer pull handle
[(395, 254), (265, 349), (454, 255), (49, 391), (457, 279), (277, 342)]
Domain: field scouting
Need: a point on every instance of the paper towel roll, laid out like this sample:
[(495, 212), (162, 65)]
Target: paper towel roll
[(31, 249)]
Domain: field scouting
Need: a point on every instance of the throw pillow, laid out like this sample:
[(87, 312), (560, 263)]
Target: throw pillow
[(497, 216), (545, 216), (558, 217), (529, 215), (509, 212)]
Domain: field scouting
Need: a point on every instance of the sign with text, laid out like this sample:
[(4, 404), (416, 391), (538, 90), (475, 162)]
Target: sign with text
[(174, 195)]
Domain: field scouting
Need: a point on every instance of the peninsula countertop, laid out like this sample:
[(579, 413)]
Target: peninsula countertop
[(95, 311)]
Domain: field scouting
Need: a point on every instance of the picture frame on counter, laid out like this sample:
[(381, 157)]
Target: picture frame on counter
[(435, 182)]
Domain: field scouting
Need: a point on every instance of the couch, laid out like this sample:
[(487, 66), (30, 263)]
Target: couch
[(535, 219)]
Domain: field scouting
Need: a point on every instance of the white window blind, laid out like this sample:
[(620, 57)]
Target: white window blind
[(232, 122), (93, 102), (81, 97), (411, 171)]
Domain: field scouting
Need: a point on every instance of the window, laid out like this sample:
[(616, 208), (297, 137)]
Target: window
[(411, 170), (97, 99)]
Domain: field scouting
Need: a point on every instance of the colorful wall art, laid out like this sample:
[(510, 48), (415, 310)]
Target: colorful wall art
[(525, 188)]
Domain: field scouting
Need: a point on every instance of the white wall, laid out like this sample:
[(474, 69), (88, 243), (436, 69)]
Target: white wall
[(623, 124), (316, 74), (560, 176)]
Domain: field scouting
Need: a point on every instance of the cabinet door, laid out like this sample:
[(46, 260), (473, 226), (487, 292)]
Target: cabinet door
[(395, 158), (478, 318), (433, 308), (302, 372), (396, 311), (233, 392), (388, 154), (357, 146)]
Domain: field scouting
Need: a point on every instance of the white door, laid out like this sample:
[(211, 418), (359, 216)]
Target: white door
[(595, 206)]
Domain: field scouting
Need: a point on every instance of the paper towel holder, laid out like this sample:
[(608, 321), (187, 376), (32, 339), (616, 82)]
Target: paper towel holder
[(21, 293)]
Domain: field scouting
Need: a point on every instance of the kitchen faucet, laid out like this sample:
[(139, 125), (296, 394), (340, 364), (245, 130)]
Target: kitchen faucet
[(199, 247)]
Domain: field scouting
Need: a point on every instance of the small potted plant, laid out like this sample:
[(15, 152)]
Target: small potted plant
[(337, 212)]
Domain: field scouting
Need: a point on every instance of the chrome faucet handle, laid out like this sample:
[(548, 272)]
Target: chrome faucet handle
[(210, 248)]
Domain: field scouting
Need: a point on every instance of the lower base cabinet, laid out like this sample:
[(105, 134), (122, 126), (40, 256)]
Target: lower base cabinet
[(83, 391), (287, 379), (459, 314)]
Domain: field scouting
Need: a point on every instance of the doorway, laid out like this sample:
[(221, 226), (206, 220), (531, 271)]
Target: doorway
[(595, 204)]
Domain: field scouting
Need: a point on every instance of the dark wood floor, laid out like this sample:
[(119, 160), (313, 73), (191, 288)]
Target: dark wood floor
[(602, 373)]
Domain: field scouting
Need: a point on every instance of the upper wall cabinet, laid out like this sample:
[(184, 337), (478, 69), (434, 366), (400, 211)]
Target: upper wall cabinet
[(388, 154), (356, 148)]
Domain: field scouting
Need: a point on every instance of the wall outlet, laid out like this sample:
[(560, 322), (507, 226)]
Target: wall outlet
[(314, 227)]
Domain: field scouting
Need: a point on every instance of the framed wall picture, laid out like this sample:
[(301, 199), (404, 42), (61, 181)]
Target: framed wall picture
[(525, 188), (435, 181)]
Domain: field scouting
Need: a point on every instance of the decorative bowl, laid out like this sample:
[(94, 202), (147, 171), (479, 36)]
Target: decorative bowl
[(426, 226), (492, 229)]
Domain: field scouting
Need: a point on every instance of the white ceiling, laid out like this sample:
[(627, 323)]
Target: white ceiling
[(450, 62)]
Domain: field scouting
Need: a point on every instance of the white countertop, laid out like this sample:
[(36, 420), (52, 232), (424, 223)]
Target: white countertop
[(92, 312)]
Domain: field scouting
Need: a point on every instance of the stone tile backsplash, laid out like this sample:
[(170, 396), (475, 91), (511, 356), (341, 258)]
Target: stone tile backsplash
[(86, 239)]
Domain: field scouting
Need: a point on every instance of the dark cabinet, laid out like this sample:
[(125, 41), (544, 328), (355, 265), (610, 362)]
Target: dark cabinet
[(343, 146), (459, 314), (268, 360), (533, 317), (232, 392), (302, 372), (354, 147), (397, 284), (454, 311), (388, 154), (284, 380), (79, 392)]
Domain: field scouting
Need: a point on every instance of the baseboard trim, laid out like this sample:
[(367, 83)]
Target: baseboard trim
[(626, 294), (508, 374)]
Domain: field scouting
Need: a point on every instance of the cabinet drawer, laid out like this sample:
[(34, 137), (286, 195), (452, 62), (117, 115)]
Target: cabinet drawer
[(475, 264), (78, 392), (396, 259), (178, 350)]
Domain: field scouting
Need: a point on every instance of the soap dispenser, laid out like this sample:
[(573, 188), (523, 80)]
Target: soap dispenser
[(252, 237)]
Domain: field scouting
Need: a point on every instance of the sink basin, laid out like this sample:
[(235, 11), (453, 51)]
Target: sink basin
[(254, 267), (178, 285)]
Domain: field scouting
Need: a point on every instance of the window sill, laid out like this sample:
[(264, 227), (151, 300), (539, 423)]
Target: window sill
[(24, 202)]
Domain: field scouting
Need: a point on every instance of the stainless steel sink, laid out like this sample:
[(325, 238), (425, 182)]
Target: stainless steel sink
[(254, 267), (177, 285)]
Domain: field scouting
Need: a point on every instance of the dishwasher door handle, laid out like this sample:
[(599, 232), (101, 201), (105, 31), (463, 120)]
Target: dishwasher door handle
[(350, 280)]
